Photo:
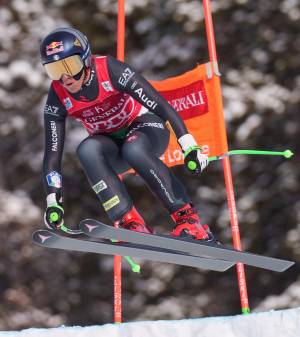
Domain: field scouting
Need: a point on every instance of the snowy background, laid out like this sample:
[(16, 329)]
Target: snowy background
[(258, 45)]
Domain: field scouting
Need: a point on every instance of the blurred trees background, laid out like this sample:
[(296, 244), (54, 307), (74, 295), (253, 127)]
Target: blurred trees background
[(258, 45)]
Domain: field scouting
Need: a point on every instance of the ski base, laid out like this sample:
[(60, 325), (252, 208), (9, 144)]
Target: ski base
[(97, 229), (51, 239)]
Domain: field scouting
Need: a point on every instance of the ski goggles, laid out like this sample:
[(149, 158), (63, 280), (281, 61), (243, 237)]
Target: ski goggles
[(70, 66)]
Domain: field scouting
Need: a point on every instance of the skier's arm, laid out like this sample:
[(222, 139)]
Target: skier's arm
[(125, 79), (54, 144), (54, 128)]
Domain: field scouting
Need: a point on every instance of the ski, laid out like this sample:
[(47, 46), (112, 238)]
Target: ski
[(96, 229), (51, 239)]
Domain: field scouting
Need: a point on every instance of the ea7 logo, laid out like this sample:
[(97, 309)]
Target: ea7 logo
[(50, 109), (100, 186), (125, 77)]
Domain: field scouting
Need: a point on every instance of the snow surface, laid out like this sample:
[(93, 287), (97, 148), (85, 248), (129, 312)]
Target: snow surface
[(283, 323)]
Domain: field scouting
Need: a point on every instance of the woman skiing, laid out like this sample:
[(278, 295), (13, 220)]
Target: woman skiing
[(125, 118)]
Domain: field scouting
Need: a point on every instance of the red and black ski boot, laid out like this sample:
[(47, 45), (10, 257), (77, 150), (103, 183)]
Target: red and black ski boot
[(188, 225), (133, 221)]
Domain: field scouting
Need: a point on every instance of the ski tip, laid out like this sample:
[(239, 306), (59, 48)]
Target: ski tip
[(288, 265), (88, 225), (226, 265), (230, 266), (41, 231), (42, 236)]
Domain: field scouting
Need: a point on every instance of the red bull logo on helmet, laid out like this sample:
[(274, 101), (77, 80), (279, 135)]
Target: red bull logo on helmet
[(54, 47)]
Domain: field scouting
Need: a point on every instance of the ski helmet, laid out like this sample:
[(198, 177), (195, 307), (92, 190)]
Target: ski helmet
[(59, 48)]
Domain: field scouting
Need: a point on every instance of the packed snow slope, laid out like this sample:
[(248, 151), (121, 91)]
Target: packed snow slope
[(283, 323)]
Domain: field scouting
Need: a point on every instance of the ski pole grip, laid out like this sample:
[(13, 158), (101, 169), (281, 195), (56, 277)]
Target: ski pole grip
[(191, 160), (54, 216), (192, 165)]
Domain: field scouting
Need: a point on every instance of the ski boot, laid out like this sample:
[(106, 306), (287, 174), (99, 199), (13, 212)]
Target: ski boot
[(133, 221), (188, 225)]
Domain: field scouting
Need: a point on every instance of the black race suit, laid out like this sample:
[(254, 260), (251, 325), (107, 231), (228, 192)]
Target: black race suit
[(125, 117)]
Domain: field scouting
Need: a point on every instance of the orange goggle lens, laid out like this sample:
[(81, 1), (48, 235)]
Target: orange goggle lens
[(70, 66)]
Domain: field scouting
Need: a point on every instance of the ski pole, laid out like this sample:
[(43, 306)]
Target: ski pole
[(136, 268), (286, 153), (69, 230), (54, 216)]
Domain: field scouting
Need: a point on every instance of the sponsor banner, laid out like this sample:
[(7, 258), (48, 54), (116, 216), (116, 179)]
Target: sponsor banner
[(197, 98), (100, 186), (114, 201), (173, 156), (190, 100)]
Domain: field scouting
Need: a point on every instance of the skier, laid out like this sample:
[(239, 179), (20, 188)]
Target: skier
[(125, 118)]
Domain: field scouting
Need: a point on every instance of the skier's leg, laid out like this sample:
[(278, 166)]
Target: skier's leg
[(145, 142), (101, 161), (101, 173)]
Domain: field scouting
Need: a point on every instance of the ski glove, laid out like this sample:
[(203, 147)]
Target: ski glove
[(54, 214), (194, 160)]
